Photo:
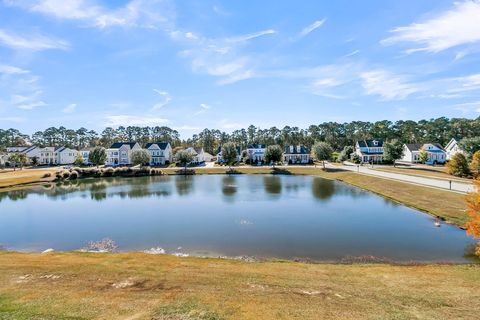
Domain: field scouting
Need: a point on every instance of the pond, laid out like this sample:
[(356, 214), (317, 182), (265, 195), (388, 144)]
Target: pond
[(269, 216)]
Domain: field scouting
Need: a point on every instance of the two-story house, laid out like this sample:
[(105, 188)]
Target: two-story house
[(160, 152), (120, 153), (452, 148), (256, 152), (46, 156), (436, 154), (198, 155), (65, 155), (369, 151), (296, 155), (85, 153), (31, 152)]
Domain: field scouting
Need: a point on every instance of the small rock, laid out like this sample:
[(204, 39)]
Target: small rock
[(48, 250), (124, 284)]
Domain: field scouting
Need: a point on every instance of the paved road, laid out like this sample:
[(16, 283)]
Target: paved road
[(443, 184)]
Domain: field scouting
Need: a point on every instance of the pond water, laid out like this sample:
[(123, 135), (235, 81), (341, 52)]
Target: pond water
[(243, 215)]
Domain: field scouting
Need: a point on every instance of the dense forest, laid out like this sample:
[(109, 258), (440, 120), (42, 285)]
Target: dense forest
[(439, 130)]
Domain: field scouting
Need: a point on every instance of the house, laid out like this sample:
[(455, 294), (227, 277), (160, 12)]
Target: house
[(219, 155), (120, 153), (160, 152), (296, 155), (208, 157), (369, 151), (47, 156), (452, 148), (256, 152), (85, 153), (436, 154), (65, 155), (3, 159), (31, 152), (198, 155)]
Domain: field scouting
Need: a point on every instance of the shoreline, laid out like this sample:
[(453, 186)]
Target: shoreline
[(386, 188)]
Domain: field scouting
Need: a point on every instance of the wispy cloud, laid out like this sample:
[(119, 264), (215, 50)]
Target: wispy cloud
[(203, 108), (468, 107), (355, 52), (11, 70), (34, 43), (166, 99), (314, 26), (130, 120), (455, 27), (387, 85), (136, 13), (251, 36), (27, 102), (70, 108)]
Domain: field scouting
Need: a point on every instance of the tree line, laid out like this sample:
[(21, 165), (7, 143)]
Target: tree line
[(338, 135)]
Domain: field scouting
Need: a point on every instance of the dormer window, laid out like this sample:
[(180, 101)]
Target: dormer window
[(298, 149), (375, 142), (291, 149)]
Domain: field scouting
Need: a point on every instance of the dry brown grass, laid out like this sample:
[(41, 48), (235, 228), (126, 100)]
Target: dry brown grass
[(140, 286), (12, 178)]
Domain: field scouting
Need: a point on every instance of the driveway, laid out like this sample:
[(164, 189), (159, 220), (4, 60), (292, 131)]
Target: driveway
[(437, 183)]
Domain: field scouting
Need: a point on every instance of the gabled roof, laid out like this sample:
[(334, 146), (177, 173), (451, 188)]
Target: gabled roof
[(451, 143), (414, 146), (303, 150), (118, 145), (370, 143), (256, 146), (161, 145), (60, 149)]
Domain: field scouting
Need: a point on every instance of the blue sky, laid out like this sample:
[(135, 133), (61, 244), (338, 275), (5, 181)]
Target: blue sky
[(228, 64)]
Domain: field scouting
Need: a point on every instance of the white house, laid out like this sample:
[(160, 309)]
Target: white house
[(369, 150), (256, 152), (198, 155), (296, 155), (85, 153), (161, 153), (65, 155), (436, 154), (452, 148), (219, 154), (120, 153), (31, 152), (46, 156)]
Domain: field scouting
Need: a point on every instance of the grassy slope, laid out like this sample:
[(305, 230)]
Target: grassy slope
[(9, 178), (82, 286)]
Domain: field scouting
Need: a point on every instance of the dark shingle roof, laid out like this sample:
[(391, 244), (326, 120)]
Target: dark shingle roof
[(303, 150), (161, 145), (256, 146), (370, 143), (118, 145), (414, 146)]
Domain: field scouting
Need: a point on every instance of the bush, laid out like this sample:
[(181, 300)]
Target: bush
[(107, 172), (458, 166), (74, 175), (47, 175), (66, 175)]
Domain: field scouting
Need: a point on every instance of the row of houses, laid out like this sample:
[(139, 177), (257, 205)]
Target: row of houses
[(371, 151), (120, 153)]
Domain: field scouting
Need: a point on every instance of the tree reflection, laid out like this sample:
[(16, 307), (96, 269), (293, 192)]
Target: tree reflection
[(323, 189), (272, 184), (229, 186), (184, 185)]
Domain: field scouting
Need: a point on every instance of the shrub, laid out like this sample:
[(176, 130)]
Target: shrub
[(458, 166), (107, 172), (47, 175), (74, 175), (66, 175)]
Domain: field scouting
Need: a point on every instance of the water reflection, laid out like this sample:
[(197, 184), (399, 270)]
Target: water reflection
[(323, 189), (272, 184), (184, 185), (229, 186)]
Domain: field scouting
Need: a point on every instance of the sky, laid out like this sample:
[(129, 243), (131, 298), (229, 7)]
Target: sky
[(194, 64)]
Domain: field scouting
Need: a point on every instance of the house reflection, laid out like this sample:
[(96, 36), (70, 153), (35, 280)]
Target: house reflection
[(323, 189)]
